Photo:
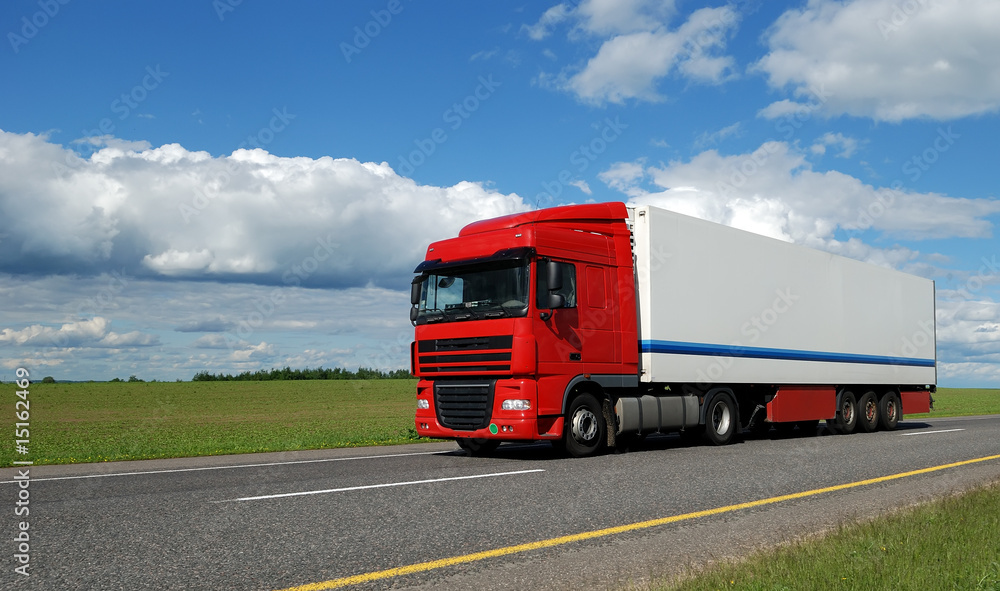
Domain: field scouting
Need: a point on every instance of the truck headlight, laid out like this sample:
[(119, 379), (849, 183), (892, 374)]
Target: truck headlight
[(516, 404), (423, 404)]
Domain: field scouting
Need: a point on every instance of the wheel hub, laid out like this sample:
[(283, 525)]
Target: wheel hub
[(721, 418), (584, 425)]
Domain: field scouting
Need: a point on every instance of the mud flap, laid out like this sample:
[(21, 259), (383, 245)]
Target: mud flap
[(610, 422)]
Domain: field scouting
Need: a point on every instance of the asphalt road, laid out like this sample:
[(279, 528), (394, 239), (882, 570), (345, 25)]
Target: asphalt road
[(242, 522)]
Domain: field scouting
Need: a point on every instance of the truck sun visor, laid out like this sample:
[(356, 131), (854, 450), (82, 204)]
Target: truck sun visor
[(507, 254)]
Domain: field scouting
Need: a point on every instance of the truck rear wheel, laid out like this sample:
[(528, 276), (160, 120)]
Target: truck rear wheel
[(585, 432), (868, 412), (847, 415), (721, 420), (889, 411)]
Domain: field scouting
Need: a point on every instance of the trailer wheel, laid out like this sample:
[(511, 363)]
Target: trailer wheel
[(868, 412), (721, 420), (847, 415), (476, 446), (585, 432), (888, 411)]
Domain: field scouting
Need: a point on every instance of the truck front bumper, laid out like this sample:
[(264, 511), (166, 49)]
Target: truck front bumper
[(501, 423)]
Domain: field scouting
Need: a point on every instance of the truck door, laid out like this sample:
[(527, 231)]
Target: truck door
[(560, 343)]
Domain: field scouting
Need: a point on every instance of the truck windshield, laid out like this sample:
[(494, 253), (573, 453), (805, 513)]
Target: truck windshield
[(493, 290)]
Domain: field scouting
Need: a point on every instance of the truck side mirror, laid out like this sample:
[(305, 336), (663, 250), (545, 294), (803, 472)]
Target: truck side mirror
[(415, 287), (553, 283), (553, 275)]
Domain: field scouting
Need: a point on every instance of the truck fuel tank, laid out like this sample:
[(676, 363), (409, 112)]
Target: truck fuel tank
[(649, 414)]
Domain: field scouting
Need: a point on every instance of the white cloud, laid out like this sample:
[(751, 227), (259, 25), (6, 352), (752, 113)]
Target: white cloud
[(250, 216), (712, 138), (888, 60), (783, 108), (583, 186), (94, 332), (617, 17), (259, 351), (774, 191), (484, 55), (551, 17), (847, 145), (624, 177), (629, 66), (639, 48)]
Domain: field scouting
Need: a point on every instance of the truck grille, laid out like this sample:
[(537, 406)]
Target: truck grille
[(465, 355), (464, 406)]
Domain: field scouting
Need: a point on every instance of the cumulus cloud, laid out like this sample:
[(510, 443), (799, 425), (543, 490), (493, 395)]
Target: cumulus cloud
[(94, 332), (618, 17), (249, 216), (887, 60), (775, 191), (639, 48)]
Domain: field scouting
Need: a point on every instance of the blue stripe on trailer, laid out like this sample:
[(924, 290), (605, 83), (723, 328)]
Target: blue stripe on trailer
[(682, 348)]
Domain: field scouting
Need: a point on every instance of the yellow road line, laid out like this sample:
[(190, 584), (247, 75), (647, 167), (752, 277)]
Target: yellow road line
[(454, 560)]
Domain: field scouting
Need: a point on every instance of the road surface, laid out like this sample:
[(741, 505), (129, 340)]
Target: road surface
[(525, 518)]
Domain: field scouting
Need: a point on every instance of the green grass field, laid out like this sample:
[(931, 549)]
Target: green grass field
[(99, 422), (957, 402), (948, 544)]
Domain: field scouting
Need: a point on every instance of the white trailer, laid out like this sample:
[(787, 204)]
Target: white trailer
[(721, 305)]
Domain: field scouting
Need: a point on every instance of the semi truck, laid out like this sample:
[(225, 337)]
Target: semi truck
[(594, 325)]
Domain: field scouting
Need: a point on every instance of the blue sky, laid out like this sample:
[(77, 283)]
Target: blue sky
[(222, 186)]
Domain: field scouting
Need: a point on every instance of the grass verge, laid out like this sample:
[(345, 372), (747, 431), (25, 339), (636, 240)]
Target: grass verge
[(957, 402), (99, 422), (947, 544), (102, 421)]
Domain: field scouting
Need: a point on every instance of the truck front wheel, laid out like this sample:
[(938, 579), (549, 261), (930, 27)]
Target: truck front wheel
[(721, 420), (585, 432)]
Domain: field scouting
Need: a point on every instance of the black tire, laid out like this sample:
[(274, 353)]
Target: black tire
[(868, 412), (585, 432), (722, 420), (889, 411), (847, 415), (478, 446)]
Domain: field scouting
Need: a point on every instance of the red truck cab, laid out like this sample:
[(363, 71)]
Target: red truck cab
[(516, 318)]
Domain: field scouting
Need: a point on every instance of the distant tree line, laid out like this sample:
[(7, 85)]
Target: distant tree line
[(320, 373)]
